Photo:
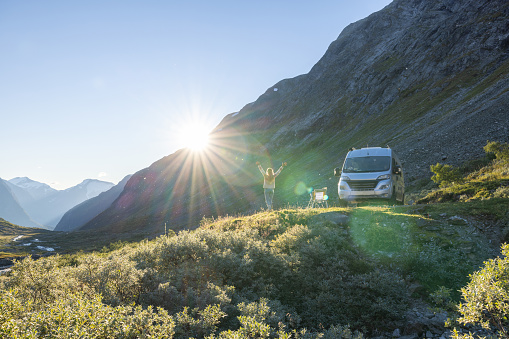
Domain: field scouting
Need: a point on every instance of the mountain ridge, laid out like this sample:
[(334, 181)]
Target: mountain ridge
[(45, 205), (36, 189)]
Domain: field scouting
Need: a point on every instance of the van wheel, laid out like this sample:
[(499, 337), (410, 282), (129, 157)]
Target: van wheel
[(395, 201), (402, 202)]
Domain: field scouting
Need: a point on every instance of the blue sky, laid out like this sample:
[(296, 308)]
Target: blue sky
[(101, 89)]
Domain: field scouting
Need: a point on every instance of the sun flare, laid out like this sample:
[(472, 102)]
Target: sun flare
[(194, 136)]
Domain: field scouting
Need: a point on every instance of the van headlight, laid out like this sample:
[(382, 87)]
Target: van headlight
[(384, 177), (345, 178)]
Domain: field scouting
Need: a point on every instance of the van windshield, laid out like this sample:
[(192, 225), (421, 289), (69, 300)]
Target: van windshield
[(367, 164)]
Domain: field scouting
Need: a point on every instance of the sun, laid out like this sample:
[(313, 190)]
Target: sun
[(194, 136)]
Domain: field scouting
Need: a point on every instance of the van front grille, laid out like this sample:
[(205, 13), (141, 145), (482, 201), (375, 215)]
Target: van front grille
[(362, 185)]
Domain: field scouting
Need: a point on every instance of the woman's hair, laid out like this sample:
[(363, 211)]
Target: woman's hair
[(269, 174)]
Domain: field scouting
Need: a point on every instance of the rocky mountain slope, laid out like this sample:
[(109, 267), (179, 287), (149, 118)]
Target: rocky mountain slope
[(428, 78), (87, 210), (10, 208)]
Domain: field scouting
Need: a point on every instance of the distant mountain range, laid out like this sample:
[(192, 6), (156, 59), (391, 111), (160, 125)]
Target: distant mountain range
[(428, 78), (10, 208), (80, 214), (26, 202)]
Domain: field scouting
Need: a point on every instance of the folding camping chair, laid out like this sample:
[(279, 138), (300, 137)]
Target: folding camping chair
[(318, 197)]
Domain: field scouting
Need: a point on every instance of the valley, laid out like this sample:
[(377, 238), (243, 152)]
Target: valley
[(18, 242)]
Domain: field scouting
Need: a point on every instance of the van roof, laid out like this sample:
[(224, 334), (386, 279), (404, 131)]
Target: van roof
[(369, 151)]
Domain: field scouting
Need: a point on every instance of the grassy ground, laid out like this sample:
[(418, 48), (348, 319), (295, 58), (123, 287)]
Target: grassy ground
[(433, 244), (8, 232), (369, 215)]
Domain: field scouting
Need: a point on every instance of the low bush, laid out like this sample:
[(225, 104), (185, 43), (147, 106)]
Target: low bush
[(500, 150), (78, 317), (445, 175), (501, 192), (486, 297)]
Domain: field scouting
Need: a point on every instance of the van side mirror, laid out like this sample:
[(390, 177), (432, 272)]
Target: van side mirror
[(337, 172), (397, 169)]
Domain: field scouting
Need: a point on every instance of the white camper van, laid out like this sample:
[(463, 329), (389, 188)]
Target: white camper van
[(372, 172)]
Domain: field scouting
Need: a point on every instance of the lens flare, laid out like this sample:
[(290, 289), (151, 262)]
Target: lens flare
[(301, 188)]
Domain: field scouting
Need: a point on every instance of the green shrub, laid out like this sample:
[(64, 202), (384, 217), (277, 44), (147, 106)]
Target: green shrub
[(39, 281), (313, 272), (198, 323), (501, 192), (445, 175), (486, 296), (266, 319), (476, 180), (115, 278), (442, 299), (501, 150), (77, 317), (114, 246), (10, 308)]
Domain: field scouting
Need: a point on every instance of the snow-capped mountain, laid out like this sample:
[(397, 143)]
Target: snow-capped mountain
[(46, 205)]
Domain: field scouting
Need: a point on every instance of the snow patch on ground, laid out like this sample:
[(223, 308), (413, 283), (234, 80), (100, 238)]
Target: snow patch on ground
[(48, 249)]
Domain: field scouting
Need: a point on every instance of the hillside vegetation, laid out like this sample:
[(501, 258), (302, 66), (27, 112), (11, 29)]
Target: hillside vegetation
[(272, 274), (480, 179), (9, 231)]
